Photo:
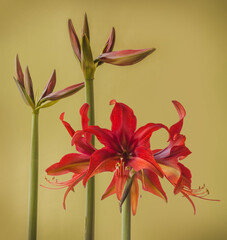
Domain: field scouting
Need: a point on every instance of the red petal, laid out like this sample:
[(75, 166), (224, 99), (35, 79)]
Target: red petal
[(103, 160), (176, 128), (151, 183), (184, 180), (125, 57), (67, 125), (123, 122), (110, 190), (72, 162), (176, 149), (84, 147), (76, 179), (120, 181), (144, 160), (85, 120), (170, 169), (143, 134), (105, 137), (134, 195)]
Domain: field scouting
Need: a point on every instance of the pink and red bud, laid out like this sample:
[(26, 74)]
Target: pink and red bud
[(19, 72), (125, 57), (25, 86), (55, 96), (120, 58), (74, 40), (50, 85)]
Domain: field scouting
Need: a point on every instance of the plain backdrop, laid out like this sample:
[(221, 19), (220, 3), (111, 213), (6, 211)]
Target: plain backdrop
[(189, 65)]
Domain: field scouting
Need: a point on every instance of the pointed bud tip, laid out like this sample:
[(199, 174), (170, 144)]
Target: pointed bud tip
[(62, 116), (112, 102), (69, 22)]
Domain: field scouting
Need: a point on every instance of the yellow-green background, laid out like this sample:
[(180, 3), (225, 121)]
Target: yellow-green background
[(189, 66)]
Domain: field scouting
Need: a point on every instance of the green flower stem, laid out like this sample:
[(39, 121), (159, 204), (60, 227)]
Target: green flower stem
[(126, 218), (33, 184), (90, 187)]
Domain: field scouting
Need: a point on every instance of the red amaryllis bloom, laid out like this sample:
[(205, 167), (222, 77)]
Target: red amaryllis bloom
[(126, 154), (76, 163), (168, 160)]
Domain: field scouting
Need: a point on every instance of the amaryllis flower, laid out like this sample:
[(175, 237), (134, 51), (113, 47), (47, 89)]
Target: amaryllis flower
[(48, 97), (168, 159), (84, 54), (76, 163), (125, 153)]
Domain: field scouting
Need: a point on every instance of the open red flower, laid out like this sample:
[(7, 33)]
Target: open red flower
[(126, 154), (76, 163), (168, 159)]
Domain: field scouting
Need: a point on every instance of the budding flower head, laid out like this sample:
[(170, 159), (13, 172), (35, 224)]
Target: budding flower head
[(84, 54), (48, 97)]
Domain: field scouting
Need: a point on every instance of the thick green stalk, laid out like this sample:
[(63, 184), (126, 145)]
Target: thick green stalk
[(33, 184), (90, 187), (126, 218)]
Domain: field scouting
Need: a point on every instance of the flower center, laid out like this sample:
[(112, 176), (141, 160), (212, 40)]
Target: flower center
[(125, 155), (121, 169)]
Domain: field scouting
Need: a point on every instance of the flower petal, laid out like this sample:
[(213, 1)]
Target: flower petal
[(134, 195), (19, 72), (111, 189), (67, 125), (24, 94), (105, 136), (63, 93), (144, 159), (176, 149), (120, 181), (85, 120), (184, 180), (28, 85), (108, 46), (125, 57), (74, 40), (103, 160), (143, 134), (50, 85), (151, 183), (76, 179), (84, 147), (110, 42), (72, 162), (176, 128), (170, 169), (123, 122)]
